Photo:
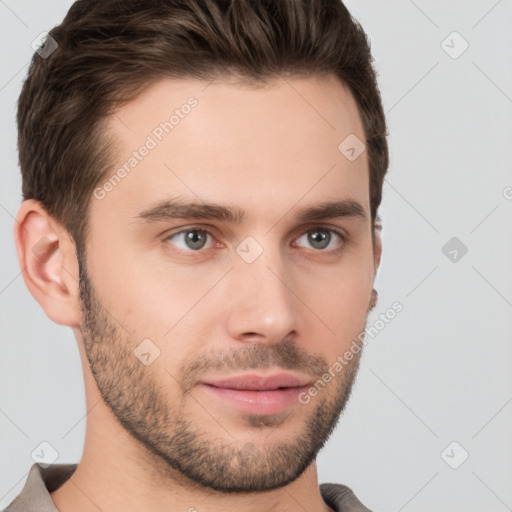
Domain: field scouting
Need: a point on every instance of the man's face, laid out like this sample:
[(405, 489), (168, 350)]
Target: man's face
[(172, 303)]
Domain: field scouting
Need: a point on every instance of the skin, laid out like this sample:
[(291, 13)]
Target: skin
[(155, 440)]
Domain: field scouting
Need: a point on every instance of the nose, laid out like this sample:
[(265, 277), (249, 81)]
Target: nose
[(262, 305)]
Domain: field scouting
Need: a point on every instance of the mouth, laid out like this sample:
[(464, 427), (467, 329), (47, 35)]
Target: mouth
[(257, 394), (254, 382)]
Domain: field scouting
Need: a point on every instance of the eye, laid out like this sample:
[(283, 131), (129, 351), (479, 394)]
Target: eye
[(321, 238), (192, 239)]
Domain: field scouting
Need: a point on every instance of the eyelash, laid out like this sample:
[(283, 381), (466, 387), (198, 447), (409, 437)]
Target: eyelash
[(335, 251)]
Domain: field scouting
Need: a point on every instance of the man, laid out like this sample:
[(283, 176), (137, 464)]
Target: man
[(201, 182)]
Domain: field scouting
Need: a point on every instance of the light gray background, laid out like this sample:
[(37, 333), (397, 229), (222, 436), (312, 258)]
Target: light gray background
[(441, 370)]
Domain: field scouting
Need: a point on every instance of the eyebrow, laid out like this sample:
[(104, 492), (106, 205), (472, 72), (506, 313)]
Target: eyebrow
[(176, 209)]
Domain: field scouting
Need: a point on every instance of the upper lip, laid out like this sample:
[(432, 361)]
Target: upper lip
[(252, 381)]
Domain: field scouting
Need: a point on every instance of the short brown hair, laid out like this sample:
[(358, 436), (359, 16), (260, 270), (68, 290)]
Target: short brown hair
[(110, 50)]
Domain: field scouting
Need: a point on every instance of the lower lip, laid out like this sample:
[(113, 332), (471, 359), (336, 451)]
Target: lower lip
[(258, 402)]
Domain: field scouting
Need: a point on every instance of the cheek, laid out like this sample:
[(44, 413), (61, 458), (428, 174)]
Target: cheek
[(142, 291), (339, 296), (341, 304), (346, 313), (157, 308)]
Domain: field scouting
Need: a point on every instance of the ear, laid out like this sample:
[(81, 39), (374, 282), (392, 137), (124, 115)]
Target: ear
[(48, 261), (377, 244)]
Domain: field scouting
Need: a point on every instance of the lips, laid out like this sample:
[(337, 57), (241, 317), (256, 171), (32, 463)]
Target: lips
[(257, 394), (254, 382)]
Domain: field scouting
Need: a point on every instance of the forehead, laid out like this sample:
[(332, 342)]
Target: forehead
[(264, 148)]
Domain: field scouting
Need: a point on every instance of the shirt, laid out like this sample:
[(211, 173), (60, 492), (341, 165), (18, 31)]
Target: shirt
[(35, 495)]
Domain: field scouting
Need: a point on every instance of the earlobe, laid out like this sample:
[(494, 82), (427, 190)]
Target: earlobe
[(47, 259)]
